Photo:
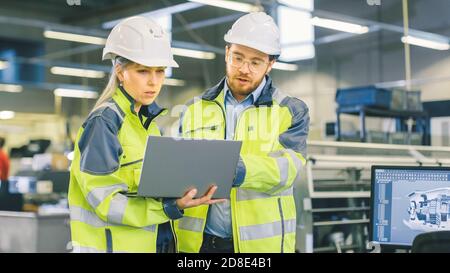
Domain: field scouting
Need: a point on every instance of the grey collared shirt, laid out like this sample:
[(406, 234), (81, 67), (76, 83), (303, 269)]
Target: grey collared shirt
[(218, 222)]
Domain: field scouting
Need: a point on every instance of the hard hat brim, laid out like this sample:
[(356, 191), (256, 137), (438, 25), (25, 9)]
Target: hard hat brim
[(149, 62), (242, 41)]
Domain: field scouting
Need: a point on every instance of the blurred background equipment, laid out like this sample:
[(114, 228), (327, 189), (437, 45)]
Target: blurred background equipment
[(402, 106), (336, 191), (35, 146)]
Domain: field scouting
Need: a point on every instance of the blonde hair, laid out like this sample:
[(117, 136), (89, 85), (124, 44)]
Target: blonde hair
[(113, 82)]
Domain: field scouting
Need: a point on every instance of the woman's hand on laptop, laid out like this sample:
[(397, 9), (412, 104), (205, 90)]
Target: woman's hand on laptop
[(188, 200)]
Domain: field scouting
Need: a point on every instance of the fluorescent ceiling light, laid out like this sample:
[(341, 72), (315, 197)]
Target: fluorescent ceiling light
[(233, 5), (425, 43), (3, 65), (158, 13), (174, 82), (75, 93), (12, 88), (193, 53), (74, 37), (77, 72), (7, 114), (339, 25), (285, 66)]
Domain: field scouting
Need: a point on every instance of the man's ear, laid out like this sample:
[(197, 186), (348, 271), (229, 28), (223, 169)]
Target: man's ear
[(271, 63), (227, 50), (119, 72)]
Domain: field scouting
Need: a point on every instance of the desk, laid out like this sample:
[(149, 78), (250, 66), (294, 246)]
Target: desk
[(32, 233)]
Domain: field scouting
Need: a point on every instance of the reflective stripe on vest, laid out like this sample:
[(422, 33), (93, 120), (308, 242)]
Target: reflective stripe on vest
[(245, 195), (191, 224), (85, 216), (96, 196), (115, 107), (84, 249), (268, 230), (117, 208), (90, 218), (283, 166), (298, 163)]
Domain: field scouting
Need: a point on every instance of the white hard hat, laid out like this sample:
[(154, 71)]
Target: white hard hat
[(256, 30), (140, 40)]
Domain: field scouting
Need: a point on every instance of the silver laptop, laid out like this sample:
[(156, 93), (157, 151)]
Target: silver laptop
[(172, 166)]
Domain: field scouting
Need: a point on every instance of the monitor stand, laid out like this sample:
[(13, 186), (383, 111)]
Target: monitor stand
[(373, 247)]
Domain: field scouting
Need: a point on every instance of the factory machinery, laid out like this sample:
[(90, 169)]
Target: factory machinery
[(333, 194)]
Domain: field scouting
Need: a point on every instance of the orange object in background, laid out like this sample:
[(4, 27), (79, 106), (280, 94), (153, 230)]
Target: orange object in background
[(4, 162)]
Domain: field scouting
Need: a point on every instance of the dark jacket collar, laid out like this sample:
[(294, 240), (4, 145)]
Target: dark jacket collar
[(264, 99), (149, 111)]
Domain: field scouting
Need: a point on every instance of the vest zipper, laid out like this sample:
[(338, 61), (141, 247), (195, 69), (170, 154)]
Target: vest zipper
[(239, 119), (282, 224), (150, 119), (234, 220), (212, 128), (175, 239), (224, 119), (234, 138), (131, 163), (109, 242)]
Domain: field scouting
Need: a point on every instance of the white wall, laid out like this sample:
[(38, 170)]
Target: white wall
[(317, 90)]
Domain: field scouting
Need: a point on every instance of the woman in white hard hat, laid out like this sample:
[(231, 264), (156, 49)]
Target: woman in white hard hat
[(110, 146)]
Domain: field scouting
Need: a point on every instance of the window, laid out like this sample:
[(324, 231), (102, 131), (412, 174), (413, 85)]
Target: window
[(17, 70), (297, 32)]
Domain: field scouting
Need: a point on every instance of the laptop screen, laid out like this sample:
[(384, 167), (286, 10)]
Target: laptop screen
[(407, 201)]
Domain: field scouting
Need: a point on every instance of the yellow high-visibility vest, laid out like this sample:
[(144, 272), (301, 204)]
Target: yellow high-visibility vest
[(107, 164), (273, 132)]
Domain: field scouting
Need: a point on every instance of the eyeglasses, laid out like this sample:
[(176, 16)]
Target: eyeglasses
[(238, 61)]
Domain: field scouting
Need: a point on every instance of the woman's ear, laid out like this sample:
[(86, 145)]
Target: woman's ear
[(119, 72)]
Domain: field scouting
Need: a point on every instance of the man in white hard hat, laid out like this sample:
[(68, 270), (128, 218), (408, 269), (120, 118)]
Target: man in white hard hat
[(260, 215)]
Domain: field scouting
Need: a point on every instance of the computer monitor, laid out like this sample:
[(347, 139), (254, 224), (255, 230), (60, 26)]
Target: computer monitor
[(407, 201)]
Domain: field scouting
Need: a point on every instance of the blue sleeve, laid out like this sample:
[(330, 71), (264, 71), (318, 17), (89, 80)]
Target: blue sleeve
[(240, 173), (171, 209), (295, 137), (99, 146)]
